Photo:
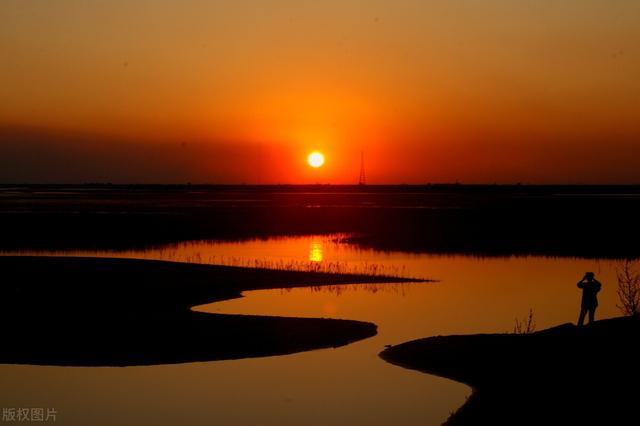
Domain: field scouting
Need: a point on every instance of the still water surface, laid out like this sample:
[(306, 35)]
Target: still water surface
[(342, 386)]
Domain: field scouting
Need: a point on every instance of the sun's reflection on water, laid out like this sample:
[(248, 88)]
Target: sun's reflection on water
[(315, 250)]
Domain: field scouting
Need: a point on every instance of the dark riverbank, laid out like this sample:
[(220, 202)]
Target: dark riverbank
[(485, 220), (108, 312), (564, 375)]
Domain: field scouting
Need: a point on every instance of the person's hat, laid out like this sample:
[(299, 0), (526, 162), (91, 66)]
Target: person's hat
[(590, 274)]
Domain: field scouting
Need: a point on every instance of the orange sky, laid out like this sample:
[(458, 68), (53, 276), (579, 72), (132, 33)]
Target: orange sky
[(228, 92)]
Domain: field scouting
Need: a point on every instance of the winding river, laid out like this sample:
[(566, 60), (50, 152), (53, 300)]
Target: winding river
[(343, 386)]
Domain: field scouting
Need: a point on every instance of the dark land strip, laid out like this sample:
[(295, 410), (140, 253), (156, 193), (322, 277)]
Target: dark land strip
[(121, 312), (564, 375), (482, 220)]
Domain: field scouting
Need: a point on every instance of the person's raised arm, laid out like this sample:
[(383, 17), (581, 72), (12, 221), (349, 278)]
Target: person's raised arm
[(598, 285)]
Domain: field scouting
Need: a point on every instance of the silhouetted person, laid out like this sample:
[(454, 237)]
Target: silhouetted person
[(590, 288)]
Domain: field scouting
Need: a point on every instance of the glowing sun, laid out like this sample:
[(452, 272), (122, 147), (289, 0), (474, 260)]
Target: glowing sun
[(315, 159)]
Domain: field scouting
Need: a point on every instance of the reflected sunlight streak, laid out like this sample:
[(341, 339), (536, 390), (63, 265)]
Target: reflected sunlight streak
[(315, 251)]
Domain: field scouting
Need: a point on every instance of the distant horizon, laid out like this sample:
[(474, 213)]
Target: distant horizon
[(335, 185)]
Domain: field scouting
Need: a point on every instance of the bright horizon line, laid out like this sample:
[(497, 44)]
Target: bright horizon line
[(246, 184)]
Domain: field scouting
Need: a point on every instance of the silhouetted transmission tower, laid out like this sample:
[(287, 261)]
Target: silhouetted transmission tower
[(362, 180)]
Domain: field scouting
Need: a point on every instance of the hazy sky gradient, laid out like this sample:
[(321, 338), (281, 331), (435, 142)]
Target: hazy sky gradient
[(239, 91)]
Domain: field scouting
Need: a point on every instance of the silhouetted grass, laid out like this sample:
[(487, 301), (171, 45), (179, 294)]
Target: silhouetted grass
[(526, 325), (491, 220), (175, 254), (628, 288), (339, 289)]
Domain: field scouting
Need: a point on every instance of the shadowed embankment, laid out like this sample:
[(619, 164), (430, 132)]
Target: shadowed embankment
[(118, 312), (484, 220), (563, 375)]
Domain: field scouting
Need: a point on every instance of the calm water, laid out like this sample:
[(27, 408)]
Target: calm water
[(343, 386)]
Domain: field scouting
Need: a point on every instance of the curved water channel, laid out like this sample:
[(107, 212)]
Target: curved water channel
[(343, 386)]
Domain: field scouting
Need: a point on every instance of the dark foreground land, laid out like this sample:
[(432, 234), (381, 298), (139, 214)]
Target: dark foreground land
[(565, 375), (108, 312), (584, 221)]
